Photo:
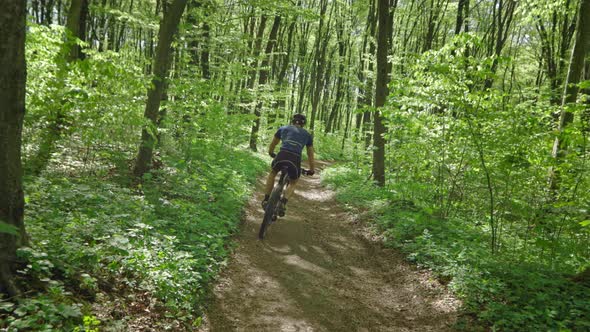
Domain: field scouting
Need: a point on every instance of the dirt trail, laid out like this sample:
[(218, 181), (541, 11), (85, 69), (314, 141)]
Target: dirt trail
[(313, 273)]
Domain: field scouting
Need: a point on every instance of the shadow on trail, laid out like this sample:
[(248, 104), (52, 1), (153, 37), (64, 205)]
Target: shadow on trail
[(311, 273)]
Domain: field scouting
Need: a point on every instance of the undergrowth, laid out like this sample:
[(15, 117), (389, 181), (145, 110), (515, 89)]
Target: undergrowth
[(501, 292), (164, 239)]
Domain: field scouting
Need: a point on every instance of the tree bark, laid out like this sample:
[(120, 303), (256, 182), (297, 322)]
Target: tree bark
[(462, 13), (319, 63), (75, 26), (503, 15), (161, 67), (381, 91), (205, 71), (369, 85), (579, 52), (262, 79), (331, 123), (12, 99)]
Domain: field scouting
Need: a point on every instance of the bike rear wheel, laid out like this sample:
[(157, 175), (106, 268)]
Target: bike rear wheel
[(270, 209), (270, 212)]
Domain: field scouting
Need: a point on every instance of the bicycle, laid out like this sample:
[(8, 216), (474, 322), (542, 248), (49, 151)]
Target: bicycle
[(271, 211)]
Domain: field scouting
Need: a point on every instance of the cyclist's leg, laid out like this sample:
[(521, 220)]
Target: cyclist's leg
[(294, 174), (270, 182), (291, 188)]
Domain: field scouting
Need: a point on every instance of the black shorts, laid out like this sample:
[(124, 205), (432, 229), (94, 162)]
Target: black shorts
[(289, 159)]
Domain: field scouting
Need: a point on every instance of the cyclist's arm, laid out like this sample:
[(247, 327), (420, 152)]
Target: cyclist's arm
[(310, 158), (273, 144)]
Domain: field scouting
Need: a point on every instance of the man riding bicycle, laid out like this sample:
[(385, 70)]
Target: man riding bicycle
[(293, 138)]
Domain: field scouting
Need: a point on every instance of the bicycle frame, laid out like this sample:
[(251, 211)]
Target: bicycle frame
[(270, 212)]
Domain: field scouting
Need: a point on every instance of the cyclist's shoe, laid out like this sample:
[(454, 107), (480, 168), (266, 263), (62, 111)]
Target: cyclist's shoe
[(282, 207)]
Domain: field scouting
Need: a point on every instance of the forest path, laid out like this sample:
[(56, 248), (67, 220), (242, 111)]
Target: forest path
[(314, 273)]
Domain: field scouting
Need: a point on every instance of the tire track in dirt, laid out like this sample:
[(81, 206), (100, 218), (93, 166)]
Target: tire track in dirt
[(314, 273)]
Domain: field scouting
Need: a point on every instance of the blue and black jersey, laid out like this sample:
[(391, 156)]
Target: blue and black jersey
[(294, 138)]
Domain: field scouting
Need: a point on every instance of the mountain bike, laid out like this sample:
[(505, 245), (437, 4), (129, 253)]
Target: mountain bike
[(271, 212)]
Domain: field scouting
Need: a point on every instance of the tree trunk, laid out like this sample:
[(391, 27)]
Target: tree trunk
[(75, 26), (331, 123), (12, 99), (381, 91), (205, 51), (504, 13), (247, 97), (161, 67), (262, 79), (319, 64), (461, 15), (579, 52), (369, 85), (586, 113)]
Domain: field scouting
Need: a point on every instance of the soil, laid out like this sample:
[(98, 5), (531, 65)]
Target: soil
[(314, 271)]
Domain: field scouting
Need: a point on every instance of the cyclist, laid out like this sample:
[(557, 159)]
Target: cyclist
[(293, 138)]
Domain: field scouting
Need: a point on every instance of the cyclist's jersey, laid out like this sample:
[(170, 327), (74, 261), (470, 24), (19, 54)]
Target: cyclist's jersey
[(294, 138)]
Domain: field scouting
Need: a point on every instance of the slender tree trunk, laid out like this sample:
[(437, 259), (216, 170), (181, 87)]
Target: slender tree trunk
[(319, 64), (331, 123), (123, 28), (75, 26), (251, 82), (461, 15), (12, 99), (161, 67), (579, 52), (586, 113), (504, 13), (205, 51), (262, 79), (369, 85), (381, 91)]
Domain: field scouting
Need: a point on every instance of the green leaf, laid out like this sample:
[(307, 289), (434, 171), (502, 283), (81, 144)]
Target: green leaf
[(8, 229), (585, 223), (6, 306), (68, 311)]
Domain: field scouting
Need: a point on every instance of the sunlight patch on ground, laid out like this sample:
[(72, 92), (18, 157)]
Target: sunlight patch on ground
[(315, 195), (296, 326), (285, 249), (299, 262), (344, 243), (446, 304), (320, 250), (359, 272)]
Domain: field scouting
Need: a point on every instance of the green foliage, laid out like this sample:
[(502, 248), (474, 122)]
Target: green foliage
[(332, 146), (49, 312), (99, 101), (168, 238), (467, 193), (507, 293)]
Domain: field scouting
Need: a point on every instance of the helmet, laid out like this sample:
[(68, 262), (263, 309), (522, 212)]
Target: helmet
[(299, 119)]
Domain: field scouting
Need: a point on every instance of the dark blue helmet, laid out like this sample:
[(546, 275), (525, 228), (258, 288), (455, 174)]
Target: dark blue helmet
[(299, 119)]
